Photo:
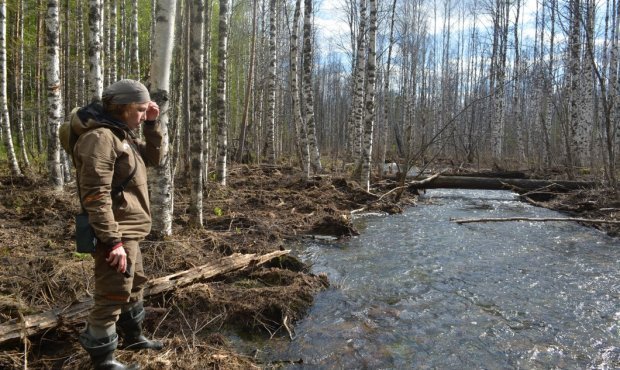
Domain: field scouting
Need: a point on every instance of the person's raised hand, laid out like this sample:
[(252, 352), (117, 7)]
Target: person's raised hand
[(152, 111)]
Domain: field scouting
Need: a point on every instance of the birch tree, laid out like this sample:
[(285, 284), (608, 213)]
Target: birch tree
[(54, 100), (95, 77), (162, 190), (249, 86), (19, 82), (498, 74), (196, 111), (4, 108), (315, 155), (271, 85), (575, 128), (300, 127), (369, 102), (585, 98), (134, 50), (112, 71), (220, 101), (354, 131)]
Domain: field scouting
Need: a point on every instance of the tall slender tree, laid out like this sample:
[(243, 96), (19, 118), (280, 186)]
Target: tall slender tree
[(300, 127), (369, 102), (4, 107), (95, 78), (19, 84), (163, 45), (271, 85), (249, 86), (220, 101), (354, 126), (315, 155), (54, 100), (197, 111), (135, 42)]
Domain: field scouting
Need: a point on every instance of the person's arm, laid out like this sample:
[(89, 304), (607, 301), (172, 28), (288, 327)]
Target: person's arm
[(96, 153), (96, 157), (151, 149)]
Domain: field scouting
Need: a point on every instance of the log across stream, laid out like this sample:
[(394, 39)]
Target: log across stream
[(490, 183)]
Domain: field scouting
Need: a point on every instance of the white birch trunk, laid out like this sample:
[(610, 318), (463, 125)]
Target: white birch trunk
[(549, 88), (4, 108), (315, 155), (122, 40), (271, 85), (19, 81), (355, 131), (499, 75), (222, 123), (135, 57), (613, 130), (80, 61), (369, 114), (517, 114), (206, 91), (112, 43), (585, 121), (54, 100), (162, 189), (574, 65), (300, 127), (94, 51), (197, 111)]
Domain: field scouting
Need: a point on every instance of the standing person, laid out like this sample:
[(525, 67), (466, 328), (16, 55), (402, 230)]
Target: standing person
[(111, 164)]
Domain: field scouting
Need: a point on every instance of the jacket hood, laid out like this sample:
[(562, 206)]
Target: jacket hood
[(92, 116)]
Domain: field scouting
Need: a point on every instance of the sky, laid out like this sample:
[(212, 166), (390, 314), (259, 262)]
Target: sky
[(333, 30)]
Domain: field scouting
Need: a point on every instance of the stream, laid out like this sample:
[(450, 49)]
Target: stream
[(417, 290)]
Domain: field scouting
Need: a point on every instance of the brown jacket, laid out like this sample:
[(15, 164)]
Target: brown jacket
[(105, 154)]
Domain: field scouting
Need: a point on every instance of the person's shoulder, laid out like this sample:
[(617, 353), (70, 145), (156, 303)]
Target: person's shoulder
[(99, 136)]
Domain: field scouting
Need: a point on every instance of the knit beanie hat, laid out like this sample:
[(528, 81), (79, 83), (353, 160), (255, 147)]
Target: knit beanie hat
[(126, 91)]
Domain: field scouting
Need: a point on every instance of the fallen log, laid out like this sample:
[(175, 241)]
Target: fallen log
[(485, 183), (37, 323), (546, 219)]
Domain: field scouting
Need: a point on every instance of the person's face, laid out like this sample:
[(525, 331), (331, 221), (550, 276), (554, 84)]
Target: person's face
[(135, 115)]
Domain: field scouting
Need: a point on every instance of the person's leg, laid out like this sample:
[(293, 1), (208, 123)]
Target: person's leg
[(112, 292), (132, 315)]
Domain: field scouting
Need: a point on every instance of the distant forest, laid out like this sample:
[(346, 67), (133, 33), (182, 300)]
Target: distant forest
[(513, 84)]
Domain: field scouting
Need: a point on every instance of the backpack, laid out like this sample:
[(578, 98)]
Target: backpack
[(67, 136)]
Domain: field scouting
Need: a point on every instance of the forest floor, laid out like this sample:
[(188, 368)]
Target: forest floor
[(262, 210)]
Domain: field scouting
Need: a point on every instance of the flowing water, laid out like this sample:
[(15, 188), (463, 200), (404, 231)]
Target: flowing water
[(417, 290)]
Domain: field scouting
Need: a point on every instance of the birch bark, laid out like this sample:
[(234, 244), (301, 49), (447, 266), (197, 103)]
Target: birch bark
[(162, 205), (369, 114), (54, 100), (315, 155), (300, 127), (354, 132), (271, 85), (220, 102), (94, 51), (4, 108), (135, 47), (19, 82), (196, 111)]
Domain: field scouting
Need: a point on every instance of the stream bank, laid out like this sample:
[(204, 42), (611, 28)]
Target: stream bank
[(261, 210)]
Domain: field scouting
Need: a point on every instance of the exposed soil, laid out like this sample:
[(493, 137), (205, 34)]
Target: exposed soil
[(260, 211)]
